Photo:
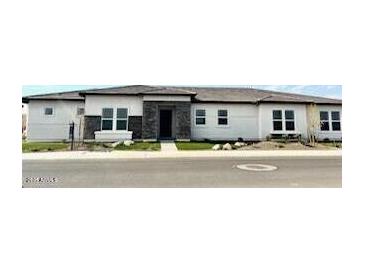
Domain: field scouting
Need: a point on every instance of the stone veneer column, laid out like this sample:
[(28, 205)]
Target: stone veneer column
[(183, 123), (151, 116), (149, 120), (135, 125), (91, 124)]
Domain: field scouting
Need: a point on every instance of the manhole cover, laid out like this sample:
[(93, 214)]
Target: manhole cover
[(257, 167)]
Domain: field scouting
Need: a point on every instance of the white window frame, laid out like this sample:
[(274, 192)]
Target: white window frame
[(283, 121), (277, 120), (108, 119), (77, 111), (339, 120), (322, 121), (290, 120), (201, 116), (121, 119), (48, 115), (114, 119), (222, 117)]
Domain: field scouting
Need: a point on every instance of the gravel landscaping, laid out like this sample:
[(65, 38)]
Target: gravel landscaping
[(270, 145), (155, 146), (140, 146), (264, 145)]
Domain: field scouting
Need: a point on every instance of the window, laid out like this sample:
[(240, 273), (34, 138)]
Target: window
[(80, 111), (200, 117), (336, 120), (222, 117), (277, 119), (325, 125), (107, 119), (122, 118), (289, 120), (48, 111)]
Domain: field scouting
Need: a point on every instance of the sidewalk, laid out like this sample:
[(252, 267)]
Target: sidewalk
[(70, 155), (168, 146)]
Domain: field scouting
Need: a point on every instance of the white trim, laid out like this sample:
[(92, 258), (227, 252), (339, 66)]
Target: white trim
[(283, 121), (196, 116), (121, 119), (290, 120), (108, 119), (277, 120), (339, 121), (49, 115), (222, 117), (329, 120), (77, 111), (114, 119), (167, 98)]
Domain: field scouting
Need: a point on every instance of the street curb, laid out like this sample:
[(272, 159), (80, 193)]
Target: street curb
[(77, 155)]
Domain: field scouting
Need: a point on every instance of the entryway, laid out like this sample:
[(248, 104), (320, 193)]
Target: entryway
[(166, 130)]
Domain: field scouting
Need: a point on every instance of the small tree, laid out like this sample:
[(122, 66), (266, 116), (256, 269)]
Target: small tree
[(314, 123)]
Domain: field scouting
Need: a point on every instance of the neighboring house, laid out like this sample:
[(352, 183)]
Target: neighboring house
[(182, 113), (24, 119)]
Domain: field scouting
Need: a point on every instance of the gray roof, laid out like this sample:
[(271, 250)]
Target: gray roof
[(70, 95), (198, 94), (249, 95), (139, 90)]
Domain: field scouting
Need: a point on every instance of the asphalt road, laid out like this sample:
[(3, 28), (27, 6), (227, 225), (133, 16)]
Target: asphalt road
[(183, 172)]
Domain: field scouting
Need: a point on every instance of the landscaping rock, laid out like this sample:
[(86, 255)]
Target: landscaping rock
[(216, 147), (128, 143), (239, 144), (116, 144), (227, 147)]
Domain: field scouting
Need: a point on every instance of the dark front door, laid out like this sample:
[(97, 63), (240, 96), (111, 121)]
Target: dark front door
[(165, 123)]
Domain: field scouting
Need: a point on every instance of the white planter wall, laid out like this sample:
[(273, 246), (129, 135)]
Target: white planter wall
[(113, 136)]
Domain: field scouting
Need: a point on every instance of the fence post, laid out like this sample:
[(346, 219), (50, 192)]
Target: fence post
[(72, 134)]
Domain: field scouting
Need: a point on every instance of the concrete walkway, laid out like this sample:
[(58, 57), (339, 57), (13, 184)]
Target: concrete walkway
[(178, 154), (168, 146)]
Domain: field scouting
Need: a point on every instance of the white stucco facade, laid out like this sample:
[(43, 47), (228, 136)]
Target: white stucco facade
[(266, 119), (242, 122), (95, 103), (53, 127), (330, 134)]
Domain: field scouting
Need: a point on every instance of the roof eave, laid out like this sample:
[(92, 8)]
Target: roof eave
[(83, 94), (27, 99), (222, 102)]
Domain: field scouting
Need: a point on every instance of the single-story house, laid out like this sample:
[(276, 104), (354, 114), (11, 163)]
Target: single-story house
[(181, 113), (24, 119)]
